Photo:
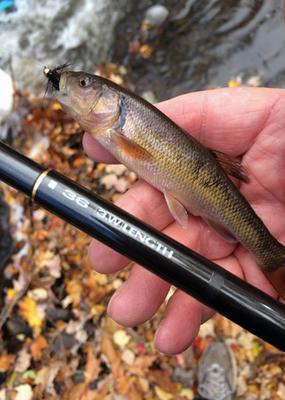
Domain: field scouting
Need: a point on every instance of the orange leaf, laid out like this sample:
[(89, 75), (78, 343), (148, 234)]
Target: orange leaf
[(38, 346), (74, 289), (29, 310), (6, 362), (92, 365)]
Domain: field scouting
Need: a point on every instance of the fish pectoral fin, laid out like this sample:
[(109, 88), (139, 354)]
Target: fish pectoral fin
[(177, 210), (231, 165), (221, 231), (129, 147)]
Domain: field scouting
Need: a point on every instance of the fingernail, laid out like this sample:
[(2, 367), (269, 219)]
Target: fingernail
[(112, 300)]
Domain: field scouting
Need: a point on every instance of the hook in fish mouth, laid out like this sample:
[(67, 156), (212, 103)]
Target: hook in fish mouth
[(53, 76)]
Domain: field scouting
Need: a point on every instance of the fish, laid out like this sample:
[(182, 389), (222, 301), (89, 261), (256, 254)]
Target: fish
[(193, 178)]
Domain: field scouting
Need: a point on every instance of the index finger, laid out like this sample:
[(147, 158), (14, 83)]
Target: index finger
[(226, 119)]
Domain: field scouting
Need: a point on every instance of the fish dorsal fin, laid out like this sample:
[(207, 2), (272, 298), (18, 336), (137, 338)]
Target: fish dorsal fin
[(221, 231), (231, 165), (177, 210), (129, 147)]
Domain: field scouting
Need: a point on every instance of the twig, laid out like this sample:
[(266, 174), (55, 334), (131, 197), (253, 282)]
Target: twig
[(8, 308)]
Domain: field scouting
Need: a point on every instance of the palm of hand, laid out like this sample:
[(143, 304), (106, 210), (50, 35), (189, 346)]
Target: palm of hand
[(240, 121)]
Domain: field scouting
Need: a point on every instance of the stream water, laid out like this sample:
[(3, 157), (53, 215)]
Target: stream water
[(201, 43), (206, 43)]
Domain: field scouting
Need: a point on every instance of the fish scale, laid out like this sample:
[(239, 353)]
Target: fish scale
[(148, 142)]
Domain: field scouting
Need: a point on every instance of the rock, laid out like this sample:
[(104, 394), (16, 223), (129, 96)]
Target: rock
[(63, 342), (16, 326), (149, 96), (78, 377), (183, 376), (6, 98), (40, 33), (59, 314), (156, 15), (254, 81)]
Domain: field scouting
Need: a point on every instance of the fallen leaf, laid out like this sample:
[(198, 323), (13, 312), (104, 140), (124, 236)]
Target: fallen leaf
[(162, 395), (54, 266), (254, 81), (30, 374), (109, 351), (128, 356), (146, 51), (92, 365), (6, 362), (23, 360), (207, 329), (38, 294), (162, 378), (24, 392), (109, 181), (31, 313), (46, 376), (281, 391), (10, 294), (37, 347), (74, 289), (121, 338), (117, 169), (187, 393)]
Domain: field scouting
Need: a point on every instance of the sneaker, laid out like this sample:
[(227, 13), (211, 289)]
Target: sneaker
[(217, 373)]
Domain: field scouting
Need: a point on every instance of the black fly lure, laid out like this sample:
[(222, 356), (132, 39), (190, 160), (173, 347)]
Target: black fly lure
[(53, 76)]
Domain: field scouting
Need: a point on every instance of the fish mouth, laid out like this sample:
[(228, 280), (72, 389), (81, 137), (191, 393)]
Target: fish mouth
[(62, 93), (62, 84), (56, 82)]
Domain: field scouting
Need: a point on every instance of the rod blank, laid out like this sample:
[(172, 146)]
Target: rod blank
[(180, 266)]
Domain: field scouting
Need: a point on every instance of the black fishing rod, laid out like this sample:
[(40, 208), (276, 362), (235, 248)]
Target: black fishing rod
[(206, 281)]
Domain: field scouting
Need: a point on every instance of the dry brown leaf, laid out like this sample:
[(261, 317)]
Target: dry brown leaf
[(92, 365), (74, 289), (226, 327), (45, 377), (163, 379), (6, 361), (37, 347), (122, 382), (162, 394), (23, 360), (135, 392), (109, 350)]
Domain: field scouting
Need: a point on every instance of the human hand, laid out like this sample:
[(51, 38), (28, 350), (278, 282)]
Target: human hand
[(241, 121)]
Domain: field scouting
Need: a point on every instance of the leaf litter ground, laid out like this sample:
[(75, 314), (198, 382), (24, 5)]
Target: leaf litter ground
[(57, 341)]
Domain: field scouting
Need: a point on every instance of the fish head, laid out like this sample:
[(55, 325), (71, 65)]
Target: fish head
[(78, 92), (87, 98)]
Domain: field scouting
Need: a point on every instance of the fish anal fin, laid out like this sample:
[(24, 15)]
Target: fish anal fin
[(221, 231), (129, 148), (177, 210), (231, 165)]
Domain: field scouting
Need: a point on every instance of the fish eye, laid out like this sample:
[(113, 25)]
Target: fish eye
[(85, 82)]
